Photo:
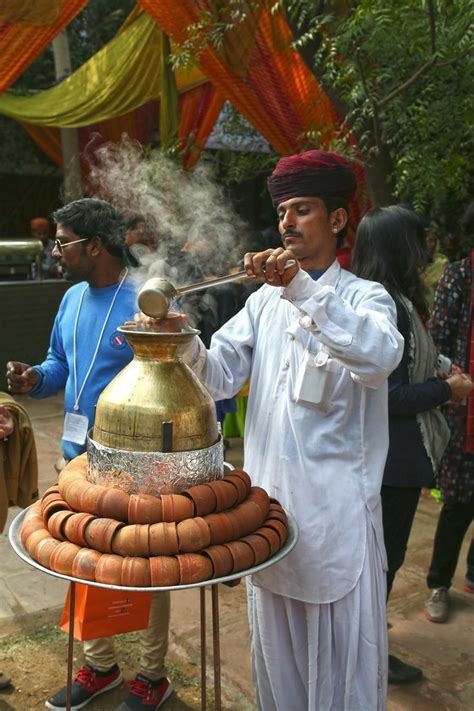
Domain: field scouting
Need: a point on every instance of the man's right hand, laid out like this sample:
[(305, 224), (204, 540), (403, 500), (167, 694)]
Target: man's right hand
[(276, 267), (21, 377)]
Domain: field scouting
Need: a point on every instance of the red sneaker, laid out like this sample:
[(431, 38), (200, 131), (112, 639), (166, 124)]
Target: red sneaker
[(145, 694), (469, 585), (89, 683)]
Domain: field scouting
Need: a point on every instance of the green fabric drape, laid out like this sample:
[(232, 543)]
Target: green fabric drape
[(234, 422)]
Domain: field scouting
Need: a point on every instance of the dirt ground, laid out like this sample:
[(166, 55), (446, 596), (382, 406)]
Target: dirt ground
[(36, 663)]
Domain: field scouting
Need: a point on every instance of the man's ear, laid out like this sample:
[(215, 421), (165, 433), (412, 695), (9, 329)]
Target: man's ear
[(96, 246), (338, 219)]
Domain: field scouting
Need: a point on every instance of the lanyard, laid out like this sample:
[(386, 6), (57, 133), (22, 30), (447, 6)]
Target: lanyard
[(77, 395)]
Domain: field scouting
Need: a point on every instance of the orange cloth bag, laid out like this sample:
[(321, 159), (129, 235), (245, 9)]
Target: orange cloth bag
[(103, 613)]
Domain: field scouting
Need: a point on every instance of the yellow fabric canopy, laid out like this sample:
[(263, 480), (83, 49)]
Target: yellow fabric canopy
[(122, 76)]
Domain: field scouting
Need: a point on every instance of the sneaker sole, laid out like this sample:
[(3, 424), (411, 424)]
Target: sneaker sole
[(110, 686), (168, 693), (435, 619)]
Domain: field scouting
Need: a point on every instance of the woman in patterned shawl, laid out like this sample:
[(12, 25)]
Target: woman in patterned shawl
[(451, 329)]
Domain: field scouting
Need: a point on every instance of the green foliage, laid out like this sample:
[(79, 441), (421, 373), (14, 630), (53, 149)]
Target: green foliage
[(18, 149), (203, 32), (239, 166), (401, 72), (210, 29), (249, 156)]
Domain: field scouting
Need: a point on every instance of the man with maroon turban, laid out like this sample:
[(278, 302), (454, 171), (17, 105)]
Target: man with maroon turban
[(317, 344)]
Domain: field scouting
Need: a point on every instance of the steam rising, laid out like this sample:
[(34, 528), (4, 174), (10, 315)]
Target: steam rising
[(180, 208)]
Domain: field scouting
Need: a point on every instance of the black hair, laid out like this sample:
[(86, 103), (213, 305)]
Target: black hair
[(91, 217), (390, 248), (132, 221)]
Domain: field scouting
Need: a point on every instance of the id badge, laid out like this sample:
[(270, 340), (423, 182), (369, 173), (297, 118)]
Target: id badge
[(76, 427)]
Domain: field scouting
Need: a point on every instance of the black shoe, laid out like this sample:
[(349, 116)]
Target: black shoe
[(145, 694), (89, 683), (4, 681), (401, 673)]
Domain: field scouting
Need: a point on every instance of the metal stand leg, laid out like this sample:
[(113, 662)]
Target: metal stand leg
[(216, 647), (203, 649), (70, 645)]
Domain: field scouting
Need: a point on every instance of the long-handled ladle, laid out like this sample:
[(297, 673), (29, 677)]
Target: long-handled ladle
[(156, 294)]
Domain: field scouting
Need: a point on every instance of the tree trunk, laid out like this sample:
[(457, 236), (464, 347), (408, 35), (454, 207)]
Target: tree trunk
[(69, 136), (378, 169)]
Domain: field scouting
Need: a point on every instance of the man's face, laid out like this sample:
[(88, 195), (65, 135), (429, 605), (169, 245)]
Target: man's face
[(74, 260), (41, 233), (308, 230)]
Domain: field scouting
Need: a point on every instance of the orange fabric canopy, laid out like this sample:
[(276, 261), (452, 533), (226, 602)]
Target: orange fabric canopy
[(256, 69), (272, 88), (21, 43), (266, 80)]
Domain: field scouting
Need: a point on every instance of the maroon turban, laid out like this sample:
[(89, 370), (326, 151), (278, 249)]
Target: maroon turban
[(312, 174)]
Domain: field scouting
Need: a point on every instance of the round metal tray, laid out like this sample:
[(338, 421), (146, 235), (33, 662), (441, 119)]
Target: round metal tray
[(17, 545)]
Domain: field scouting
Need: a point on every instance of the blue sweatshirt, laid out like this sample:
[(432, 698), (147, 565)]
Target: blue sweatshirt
[(57, 371)]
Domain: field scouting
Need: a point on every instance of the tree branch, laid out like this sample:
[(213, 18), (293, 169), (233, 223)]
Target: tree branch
[(453, 60), (432, 62), (407, 83), (432, 21), (371, 97)]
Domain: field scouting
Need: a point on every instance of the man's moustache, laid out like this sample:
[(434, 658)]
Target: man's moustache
[(292, 234)]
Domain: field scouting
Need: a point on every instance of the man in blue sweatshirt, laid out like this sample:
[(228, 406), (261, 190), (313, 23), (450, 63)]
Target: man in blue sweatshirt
[(86, 352)]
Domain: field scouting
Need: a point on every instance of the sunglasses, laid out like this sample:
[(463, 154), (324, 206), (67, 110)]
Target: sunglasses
[(60, 245)]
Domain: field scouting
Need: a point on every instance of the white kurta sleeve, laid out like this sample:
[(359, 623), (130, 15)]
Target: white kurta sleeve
[(362, 337), (225, 367)]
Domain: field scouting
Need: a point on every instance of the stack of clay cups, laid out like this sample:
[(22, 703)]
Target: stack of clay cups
[(102, 534)]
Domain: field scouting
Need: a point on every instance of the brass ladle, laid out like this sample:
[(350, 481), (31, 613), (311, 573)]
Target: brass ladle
[(156, 294)]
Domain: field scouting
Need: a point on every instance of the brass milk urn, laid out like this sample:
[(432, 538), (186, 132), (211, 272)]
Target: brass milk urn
[(155, 427), (156, 387)]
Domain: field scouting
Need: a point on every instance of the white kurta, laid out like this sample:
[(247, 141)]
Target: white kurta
[(316, 438), (324, 463)]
